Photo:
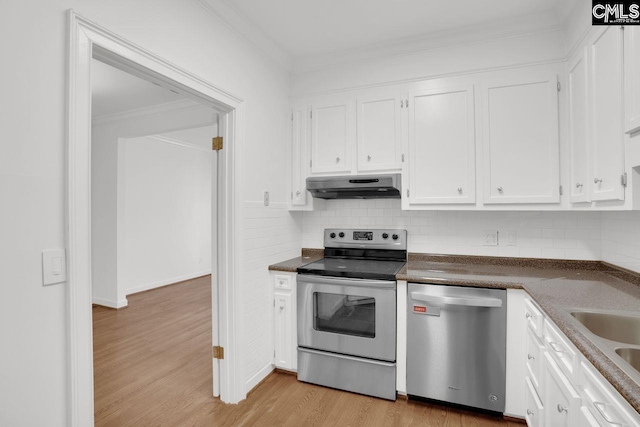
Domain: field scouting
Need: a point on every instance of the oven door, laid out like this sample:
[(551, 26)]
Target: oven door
[(348, 316)]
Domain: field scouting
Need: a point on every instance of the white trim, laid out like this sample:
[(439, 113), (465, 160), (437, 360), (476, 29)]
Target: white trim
[(259, 376), (176, 142), (183, 105), (110, 303), (87, 40), (166, 282), (230, 16), (260, 204)]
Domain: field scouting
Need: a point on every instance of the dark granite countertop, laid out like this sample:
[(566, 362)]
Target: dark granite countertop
[(554, 285)]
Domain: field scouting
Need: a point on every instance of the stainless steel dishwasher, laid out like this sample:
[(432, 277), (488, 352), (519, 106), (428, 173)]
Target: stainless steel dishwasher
[(456, 344)]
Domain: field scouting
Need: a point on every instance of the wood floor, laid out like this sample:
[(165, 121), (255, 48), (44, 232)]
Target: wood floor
[(152, 364)]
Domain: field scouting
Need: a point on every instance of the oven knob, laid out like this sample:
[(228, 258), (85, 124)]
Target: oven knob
[(385, 235), (332, 235), (395, 237), (341, 234)]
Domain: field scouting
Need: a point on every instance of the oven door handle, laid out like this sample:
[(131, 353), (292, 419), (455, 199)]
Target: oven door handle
[(323, 280), (463, 301)]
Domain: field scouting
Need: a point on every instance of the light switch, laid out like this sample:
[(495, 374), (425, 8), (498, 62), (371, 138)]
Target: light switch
[(54, 267)]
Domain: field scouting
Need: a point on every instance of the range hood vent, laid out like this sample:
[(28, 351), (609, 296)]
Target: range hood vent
[(355, 187)]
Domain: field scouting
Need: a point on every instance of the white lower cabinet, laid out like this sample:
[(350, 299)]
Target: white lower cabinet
[(285, 338), (562, 387)]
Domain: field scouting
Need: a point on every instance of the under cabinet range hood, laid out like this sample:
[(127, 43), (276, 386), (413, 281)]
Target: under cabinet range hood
[(355, 187)]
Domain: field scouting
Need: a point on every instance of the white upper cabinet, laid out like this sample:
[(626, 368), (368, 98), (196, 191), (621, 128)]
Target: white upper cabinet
[(441, 160), (299, 149), (579, 187), (332, 136), (520, 141), (379, 133), (632, 78), (606, 118)]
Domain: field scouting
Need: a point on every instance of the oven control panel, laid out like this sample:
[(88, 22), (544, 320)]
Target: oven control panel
[(358, 238)]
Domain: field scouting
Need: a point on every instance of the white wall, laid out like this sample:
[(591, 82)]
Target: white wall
[(165, 214), (562, 235), (33, 41), (104, 186)]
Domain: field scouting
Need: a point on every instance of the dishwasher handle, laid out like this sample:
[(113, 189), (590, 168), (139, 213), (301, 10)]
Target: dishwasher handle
[(463, 301)]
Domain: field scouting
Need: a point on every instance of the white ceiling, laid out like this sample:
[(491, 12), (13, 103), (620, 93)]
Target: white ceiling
[(115, 91), (304, 28)]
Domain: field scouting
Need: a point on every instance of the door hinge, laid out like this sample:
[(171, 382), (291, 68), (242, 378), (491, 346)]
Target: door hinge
[(406, 103), (402, 157), (311, 114), (218, 352), (291, 116), (623, 179), (216, 143), (407, 192), (558, 86), (310, 162), (561, 190), (291, 199)]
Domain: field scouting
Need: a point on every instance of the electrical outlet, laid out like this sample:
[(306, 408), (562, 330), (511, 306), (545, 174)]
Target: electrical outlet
[(511, 238), (266, 198), (490, 238)]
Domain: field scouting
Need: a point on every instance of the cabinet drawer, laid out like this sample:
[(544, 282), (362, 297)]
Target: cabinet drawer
[(282, 281), (534, 316), (608, 407), (560, 349), (534, 357), (534, 412)]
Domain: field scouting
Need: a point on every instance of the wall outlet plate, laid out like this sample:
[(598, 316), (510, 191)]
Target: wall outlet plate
[(511, 238), (491, 238)]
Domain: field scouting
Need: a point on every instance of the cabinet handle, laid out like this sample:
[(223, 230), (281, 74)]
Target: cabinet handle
[(530, 357), (337, 159), (527, 315), (529, 412), (499, 189), (562, 409), (597, 181), (554, 346), (578, 185), (459, 190), (368, 158), (281, 307), (298, 193), (602, 412)]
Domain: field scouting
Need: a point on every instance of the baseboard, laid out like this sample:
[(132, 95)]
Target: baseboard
[(110, 303), (258, 377), (165, 282)]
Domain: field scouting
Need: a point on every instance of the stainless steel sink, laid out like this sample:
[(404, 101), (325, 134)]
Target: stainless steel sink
[(615, 333), (614, 327), (631, 356)]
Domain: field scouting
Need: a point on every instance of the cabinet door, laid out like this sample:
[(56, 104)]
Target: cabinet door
[(605, 51), (300, 158), (520, 141), (632, 78), (332, 136), (579, 129), (560, 400), (283, 339), (379, 133), (442, 146)]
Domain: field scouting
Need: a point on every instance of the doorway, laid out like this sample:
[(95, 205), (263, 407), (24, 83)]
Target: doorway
[(89, 41)]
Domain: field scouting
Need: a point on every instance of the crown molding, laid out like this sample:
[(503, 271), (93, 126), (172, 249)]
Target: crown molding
[(531, 24), (183, 105), (242, 26)]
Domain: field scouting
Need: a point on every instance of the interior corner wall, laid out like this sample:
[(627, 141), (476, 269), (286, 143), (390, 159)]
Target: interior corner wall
[(104, 191), (34, 44), (165, 216)]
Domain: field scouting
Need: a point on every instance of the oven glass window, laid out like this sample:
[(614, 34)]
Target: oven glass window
[(344, 314)]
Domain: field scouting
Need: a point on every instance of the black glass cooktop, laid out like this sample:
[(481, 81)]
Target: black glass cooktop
[(354, 268)]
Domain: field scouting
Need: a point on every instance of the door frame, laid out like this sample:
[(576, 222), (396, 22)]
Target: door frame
[(86, 41)]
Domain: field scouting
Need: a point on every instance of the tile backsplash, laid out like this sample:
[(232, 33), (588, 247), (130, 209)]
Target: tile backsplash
[(567, 235), (621, 239)]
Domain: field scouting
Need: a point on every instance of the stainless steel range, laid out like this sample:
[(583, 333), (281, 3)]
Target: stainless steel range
[(347, 312)]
